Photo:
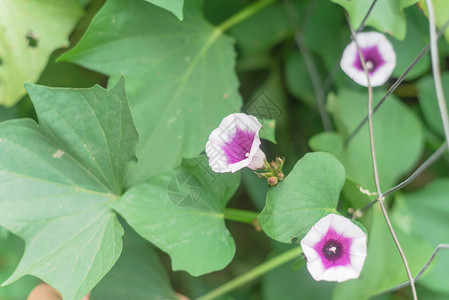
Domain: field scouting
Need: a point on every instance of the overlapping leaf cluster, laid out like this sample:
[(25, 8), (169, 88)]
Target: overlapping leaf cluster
[(97, 160)]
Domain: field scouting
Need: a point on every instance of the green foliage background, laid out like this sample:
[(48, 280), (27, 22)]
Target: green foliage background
[(88, 156)]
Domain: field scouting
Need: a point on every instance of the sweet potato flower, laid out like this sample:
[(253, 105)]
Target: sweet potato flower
[(235, 144), (335, 249)]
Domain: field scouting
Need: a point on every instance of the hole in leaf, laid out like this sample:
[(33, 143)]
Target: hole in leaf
[(32, 39)]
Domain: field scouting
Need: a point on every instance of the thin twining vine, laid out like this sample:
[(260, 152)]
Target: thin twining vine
[(362, 24), (290, 255), (319, 88), (331, 77), (427, 163), (436, 69), (380, 199), (396, 84), (422, 271), (445, 120), (320, 98)]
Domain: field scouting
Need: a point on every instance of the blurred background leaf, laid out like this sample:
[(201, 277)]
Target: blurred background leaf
[(11, 250), (138, 274), (173, 6), (30, 31)]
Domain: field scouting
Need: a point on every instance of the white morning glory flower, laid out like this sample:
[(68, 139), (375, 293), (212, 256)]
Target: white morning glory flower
[(380, 59), (235, 144), (335, 249)]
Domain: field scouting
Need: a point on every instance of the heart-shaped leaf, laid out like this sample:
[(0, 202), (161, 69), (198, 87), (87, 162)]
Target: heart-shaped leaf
[(57, 179), (307, 194)]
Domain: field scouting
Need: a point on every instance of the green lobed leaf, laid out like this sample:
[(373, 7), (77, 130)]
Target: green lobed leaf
[(137, 275), (173, 6), (180, 77), (307, 194), (429, 102), (57, 180), (383, 268), (425, 213), (29, 32), (387, 15), (398, 137), (182, 213)]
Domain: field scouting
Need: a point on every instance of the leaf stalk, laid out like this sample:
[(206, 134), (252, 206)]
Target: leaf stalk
[(253, 274), (244, 14)]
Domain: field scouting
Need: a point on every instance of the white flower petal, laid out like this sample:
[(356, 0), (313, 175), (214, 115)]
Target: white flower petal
[(358, 247), (246, 122), (309, 252), (258, 160), (353, 231), (381, 75), (312, 237), (345, 273), (217, 158), (315, 268), (238, 166), (340, 224), (357, 264), (322, 226), (369, 39), (328, 275)]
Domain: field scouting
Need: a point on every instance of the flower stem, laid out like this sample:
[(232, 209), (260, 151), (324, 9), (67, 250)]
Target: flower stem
[(436, 69), (244, 14), (253, 274), (380, 198), (240, 215)]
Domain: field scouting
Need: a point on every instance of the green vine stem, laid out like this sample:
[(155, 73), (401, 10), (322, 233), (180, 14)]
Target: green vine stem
[(436, 69), (253, 274), (240, 215), (244, 14)]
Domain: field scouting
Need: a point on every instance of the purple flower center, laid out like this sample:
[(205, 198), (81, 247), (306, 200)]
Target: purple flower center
[(333, 249), (239, 147), (373, 59)]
